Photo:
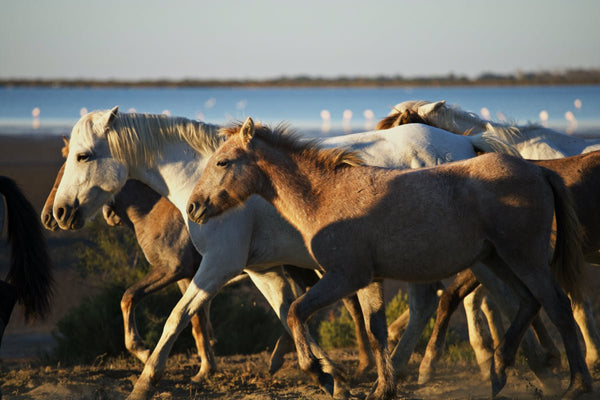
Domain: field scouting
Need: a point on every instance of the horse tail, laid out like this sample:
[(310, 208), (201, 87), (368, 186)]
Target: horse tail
[(567, 261), (30, 269), (488, 143)]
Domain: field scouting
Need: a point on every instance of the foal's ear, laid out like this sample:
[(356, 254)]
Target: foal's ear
[(431, 107), (247, 131), (109, 117), (65, 150)]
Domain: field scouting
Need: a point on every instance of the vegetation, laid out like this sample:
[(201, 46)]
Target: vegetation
[(565, 77), (112, 260)]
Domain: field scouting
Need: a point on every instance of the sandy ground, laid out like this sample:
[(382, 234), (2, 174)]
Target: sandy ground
[(247, 377)]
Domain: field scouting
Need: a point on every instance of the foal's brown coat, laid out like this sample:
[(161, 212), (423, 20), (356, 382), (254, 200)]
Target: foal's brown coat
[(363, 223)]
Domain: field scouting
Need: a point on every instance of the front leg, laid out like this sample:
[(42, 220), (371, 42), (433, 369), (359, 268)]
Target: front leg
[(156, 279), (212, 275)]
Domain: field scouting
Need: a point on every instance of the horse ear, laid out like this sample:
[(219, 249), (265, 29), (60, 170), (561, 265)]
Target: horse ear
[(65, 150), (247, 131), (109, 117), (431, 107)]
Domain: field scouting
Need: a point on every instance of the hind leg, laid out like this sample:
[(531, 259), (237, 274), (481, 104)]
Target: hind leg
[(540, 285), (422, 303), (464, 283), (479, 337), (366, 359), (372, 304), (582, 311), (333, 286)]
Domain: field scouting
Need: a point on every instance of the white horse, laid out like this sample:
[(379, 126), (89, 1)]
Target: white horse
[(169, 154), (533, 141)]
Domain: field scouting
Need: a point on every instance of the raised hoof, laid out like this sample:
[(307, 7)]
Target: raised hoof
[(284, 345)]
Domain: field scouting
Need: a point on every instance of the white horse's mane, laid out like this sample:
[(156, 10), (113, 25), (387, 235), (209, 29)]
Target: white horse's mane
[(139, 139)]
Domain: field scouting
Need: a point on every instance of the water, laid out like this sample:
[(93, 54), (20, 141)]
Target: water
[(59, 108)]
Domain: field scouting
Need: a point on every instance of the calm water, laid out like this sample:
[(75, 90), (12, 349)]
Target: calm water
[(59, 108)]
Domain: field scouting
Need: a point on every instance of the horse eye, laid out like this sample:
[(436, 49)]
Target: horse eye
[(222, 163), (82, 157)]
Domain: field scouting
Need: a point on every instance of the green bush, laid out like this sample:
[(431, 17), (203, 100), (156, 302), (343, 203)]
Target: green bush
[(112, 260), (338, 330)]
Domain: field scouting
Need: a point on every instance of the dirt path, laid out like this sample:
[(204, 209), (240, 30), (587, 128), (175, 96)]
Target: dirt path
[(246, 377)]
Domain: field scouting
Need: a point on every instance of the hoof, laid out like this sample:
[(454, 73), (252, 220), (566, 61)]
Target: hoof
[(362, 371), (202, 375), (426, 376), (578, 387), (498, 379), (327, 383), (380, 393), (141, 392)]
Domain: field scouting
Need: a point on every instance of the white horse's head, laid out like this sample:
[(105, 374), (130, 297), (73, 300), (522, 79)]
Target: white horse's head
[(92, 175)]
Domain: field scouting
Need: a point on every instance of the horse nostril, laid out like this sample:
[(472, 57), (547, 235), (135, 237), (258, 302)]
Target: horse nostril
[(47, 218), (60, 211), (191, 208)]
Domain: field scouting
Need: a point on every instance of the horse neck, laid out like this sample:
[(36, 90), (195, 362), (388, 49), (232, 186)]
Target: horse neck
[(174, 169), (173, 175), (296, 186)]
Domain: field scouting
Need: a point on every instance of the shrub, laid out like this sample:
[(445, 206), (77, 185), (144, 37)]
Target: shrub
[(112, 260)]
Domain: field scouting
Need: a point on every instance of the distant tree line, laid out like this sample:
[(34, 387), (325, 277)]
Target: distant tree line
[(566, 77)]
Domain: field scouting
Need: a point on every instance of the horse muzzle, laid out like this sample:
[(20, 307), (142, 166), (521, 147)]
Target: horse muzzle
[(198, 212), (48, 220), (69, 217)]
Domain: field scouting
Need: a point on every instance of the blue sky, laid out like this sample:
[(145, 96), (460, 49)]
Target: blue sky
[(264, 39)]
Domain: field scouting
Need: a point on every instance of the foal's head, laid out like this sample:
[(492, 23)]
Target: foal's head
[(230, 176)]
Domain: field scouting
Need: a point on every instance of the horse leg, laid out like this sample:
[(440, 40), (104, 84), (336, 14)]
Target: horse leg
[(464, 283), (365, 355), (333, 286), (202, 333), (494, 319), (373, 307), (422, 302), (536, 356), (397, 328), (536, 285), (582, 311), (214, 272), (479, 337), (155, 280)]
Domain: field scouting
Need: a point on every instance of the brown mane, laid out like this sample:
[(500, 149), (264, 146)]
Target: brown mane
[(282, 136), (400, 118)]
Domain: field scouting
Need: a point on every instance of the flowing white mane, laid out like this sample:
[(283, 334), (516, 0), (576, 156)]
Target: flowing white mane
[(139, 139)]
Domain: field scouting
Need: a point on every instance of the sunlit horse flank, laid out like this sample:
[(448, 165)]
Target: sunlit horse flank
[(538, 143), (165, 241), (30, 279), (168, 154), (365, 223)]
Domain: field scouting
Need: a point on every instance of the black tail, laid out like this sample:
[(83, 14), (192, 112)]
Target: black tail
[(30, 270)]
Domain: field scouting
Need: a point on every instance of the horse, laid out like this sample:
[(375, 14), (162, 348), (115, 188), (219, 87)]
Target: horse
[(581, 174), (30, 280), (362, 224), (164, 239), (108, 147), (533, 141)]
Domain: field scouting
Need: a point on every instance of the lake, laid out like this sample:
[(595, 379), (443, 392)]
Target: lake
[(573, 109)]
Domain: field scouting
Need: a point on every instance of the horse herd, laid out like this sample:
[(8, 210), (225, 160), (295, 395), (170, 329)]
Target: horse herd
[(212, 205)]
